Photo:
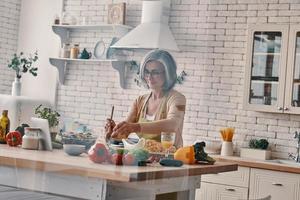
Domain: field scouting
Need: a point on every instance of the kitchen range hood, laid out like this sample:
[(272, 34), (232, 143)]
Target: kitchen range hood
[(153, 32)]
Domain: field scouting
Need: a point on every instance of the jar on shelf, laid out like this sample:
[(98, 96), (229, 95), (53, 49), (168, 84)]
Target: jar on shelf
[(74, 51), (65, 18), (68, 19), (56, 19), (65, 51)]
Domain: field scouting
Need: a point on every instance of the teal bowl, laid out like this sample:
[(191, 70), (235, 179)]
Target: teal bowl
[(74, 149)]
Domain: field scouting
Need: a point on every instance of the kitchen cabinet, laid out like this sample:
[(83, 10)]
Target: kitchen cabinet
[(249, 183), (63, 31), (292, 95), (211, 191), (225, 186), (272, 76), (266, 68), (280, 185)]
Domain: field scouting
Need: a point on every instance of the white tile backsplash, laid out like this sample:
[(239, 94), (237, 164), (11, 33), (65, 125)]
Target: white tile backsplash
[(9, 26)]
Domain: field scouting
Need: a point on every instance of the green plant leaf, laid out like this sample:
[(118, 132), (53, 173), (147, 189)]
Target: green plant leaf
[(47, 113), (258, 144), (22, 64)]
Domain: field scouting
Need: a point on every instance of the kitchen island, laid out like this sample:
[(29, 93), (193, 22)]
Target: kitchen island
[(57, 173)]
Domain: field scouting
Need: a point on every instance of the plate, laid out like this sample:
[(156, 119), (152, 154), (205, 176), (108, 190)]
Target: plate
[(99, 49)]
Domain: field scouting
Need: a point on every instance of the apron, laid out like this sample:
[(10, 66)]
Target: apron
[(159, 114)]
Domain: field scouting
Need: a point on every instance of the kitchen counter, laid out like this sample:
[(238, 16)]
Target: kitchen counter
[(58, 161), (248, 162), (46, 165)]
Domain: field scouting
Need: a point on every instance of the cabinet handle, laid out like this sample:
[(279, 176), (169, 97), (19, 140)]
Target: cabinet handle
[(230, 189), (277, 184), (279, 108), (286, 108)]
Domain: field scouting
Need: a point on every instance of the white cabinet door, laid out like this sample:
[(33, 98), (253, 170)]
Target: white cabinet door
[(292, 97), (280, 185), (266, 68), (210, 191), (272, 75)]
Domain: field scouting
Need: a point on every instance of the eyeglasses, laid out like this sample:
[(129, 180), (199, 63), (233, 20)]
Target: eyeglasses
[(153, 73)]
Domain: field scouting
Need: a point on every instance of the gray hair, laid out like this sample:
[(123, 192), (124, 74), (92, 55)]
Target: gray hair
[(167, 61)]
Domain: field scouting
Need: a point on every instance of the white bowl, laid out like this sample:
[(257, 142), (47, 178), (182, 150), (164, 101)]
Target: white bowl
[(74, 149), (213, 147), (129, 145)]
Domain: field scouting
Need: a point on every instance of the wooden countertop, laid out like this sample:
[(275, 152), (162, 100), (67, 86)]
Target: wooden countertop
[(59, 162), (248, 162)]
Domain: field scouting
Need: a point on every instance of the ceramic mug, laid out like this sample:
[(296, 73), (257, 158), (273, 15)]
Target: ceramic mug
[(227, 149)]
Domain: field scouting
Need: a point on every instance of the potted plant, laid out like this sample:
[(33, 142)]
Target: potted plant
[(52, 116), (258, 149), (22, 64)]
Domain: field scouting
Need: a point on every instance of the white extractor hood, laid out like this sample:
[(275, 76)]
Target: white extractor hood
[(153, 32)]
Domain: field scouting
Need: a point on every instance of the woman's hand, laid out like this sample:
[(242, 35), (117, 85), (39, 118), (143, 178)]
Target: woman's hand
[(123, 129), (109, 126)]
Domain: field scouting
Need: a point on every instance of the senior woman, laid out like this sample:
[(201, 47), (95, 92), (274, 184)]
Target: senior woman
[(161, 110)]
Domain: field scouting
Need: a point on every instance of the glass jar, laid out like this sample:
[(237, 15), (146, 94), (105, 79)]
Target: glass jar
[(31, 138), (65, 18), (65, 51), (56, 19), (74, 51)]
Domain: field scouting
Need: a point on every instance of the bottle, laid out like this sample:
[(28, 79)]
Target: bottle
[(4, 126), (74, 51), (65, 51)]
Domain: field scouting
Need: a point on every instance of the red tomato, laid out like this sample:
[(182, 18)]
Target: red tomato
[(116, 159), (14, 138), (128, 159), (98, 153)]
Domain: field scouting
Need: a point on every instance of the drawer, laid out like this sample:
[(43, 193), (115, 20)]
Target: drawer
[(280, 185), (211, 191), (238, 178)]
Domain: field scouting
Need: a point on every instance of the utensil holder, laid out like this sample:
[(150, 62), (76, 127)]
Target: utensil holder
[(227, 149)]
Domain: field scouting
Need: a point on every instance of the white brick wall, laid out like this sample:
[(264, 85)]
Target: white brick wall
[(9, 25)]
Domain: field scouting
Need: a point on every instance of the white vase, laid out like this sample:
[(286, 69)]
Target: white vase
[(16, 87), (227, 149)]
